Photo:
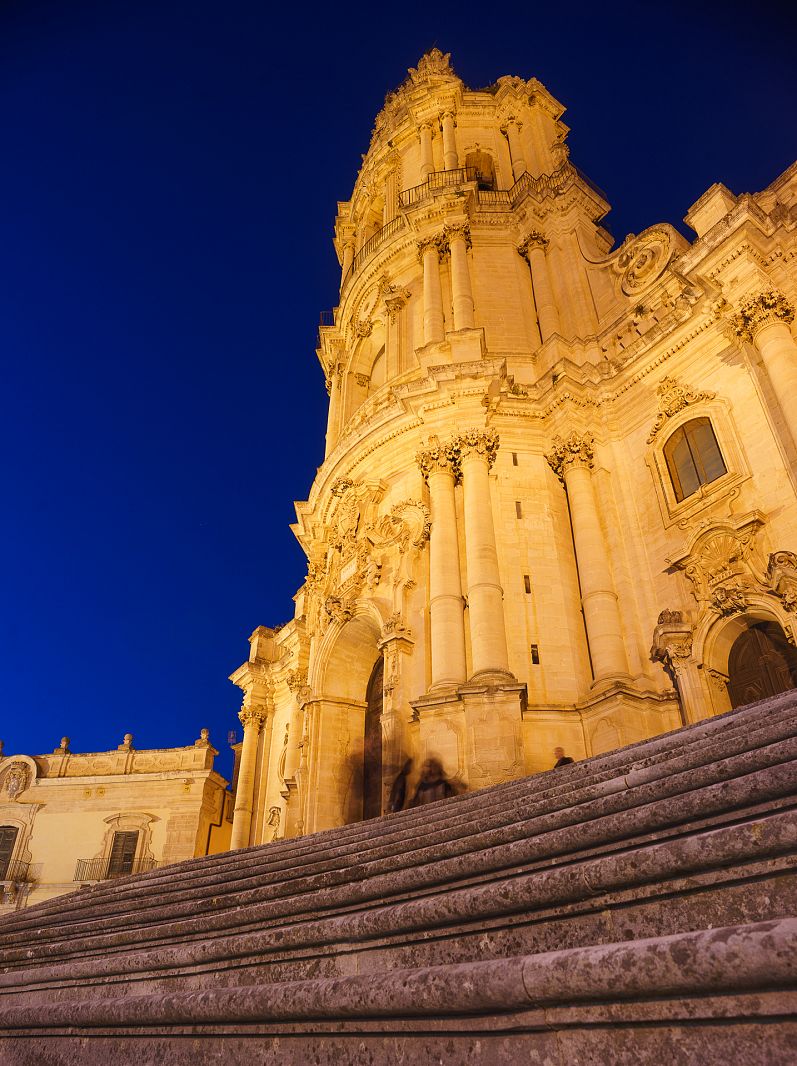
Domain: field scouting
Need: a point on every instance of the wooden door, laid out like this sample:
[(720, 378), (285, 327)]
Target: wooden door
[(762, 663)]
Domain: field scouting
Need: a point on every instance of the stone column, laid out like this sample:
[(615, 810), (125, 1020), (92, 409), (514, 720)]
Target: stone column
[(477, 450), (252, 717), (391, 196), (532, 248), (427, 160), (334, 384), (439, 466), (447, 126), (457, 237), (348, 259), (764, 320), (571, 460), (433, 320), (512, 132), (394, 305)]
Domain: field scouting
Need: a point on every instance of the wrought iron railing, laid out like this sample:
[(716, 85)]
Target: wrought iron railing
[(439, 179), (370, 246), (18, 872), (103, 869)]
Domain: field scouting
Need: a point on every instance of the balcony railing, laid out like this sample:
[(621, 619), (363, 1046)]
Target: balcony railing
[(370, 246), (440, 179), (17, 872), (103, 870)]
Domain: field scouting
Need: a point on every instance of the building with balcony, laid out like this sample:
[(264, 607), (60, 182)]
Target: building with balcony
[(71, 819), (558, 505)]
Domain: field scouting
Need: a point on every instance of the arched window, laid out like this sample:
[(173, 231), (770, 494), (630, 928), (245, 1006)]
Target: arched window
[(482, 163), (693, 457)]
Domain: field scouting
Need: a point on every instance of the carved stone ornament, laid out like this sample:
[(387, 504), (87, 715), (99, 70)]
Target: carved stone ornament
[(252, 714), (483, 442), (296, 679), (782, 577), (436, 242), (395, 627), (341, 485), (575, 449), (727, 568), (339, 610), (644, 259), (674, 397), (395, 305), (363, 328), (436, 456), (672, 642), (16, 779), (434, 64), (761, 310), (363, 380), (456, 230), (535, 239)]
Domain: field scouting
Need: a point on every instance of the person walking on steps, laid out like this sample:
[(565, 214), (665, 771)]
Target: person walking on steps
[(561, 758), (398, 793), (432, 785)]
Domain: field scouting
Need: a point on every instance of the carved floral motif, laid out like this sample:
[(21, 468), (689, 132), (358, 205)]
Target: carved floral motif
[(16, 779), (455, 230), (575, 449), (437, 456), (761, 310), (534, 239), (341, 485), (477, 442), (674, 397)]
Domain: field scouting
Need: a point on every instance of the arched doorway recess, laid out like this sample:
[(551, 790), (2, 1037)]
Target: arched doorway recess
[(761, 663), (372, 746)]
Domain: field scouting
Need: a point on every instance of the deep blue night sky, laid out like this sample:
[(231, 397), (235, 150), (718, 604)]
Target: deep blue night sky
[(165, 245)]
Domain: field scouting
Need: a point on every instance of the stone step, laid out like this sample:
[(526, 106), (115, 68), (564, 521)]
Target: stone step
[(258, 867), (715, 989), (492, 803), (727, 876), (723, 789)]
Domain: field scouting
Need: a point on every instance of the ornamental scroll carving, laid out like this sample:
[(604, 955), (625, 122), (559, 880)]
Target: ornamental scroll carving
[(477, 442), (455, 230), (672, 643), (759, 311), (727, 568), (577, 449), (367, 553), (674, 397), (643, 259)]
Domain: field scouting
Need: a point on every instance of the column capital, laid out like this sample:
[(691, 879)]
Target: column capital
[(510, 120), (437, 457), (534, 239), (424, 127), (761, 310), (253, 713), (672, 641), (477, 442), (394, 305), (448, 113), (426, 244), (574, 450), (455, 230)]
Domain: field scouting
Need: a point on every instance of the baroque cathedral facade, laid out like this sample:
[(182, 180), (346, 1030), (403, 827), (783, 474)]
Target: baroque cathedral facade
[(558, 505)]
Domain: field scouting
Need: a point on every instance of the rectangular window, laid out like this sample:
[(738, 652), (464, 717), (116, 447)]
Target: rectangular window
[(527, 582), (535, 655), (514, 458), (8, 838), (518, 509), (123, 852)]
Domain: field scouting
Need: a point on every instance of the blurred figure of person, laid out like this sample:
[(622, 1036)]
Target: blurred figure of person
[(432, 785), (398, 793), (561, 758)]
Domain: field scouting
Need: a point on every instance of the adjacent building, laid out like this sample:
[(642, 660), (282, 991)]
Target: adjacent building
[(70, 819)]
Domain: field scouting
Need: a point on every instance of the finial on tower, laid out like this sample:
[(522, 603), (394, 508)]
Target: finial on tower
[(433, 63)]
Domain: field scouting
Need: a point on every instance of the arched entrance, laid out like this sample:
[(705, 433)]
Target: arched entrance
[(372, 746), (761, 663)]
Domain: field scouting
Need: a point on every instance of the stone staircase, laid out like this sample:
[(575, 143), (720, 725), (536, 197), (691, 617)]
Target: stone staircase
[(636, 907)]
